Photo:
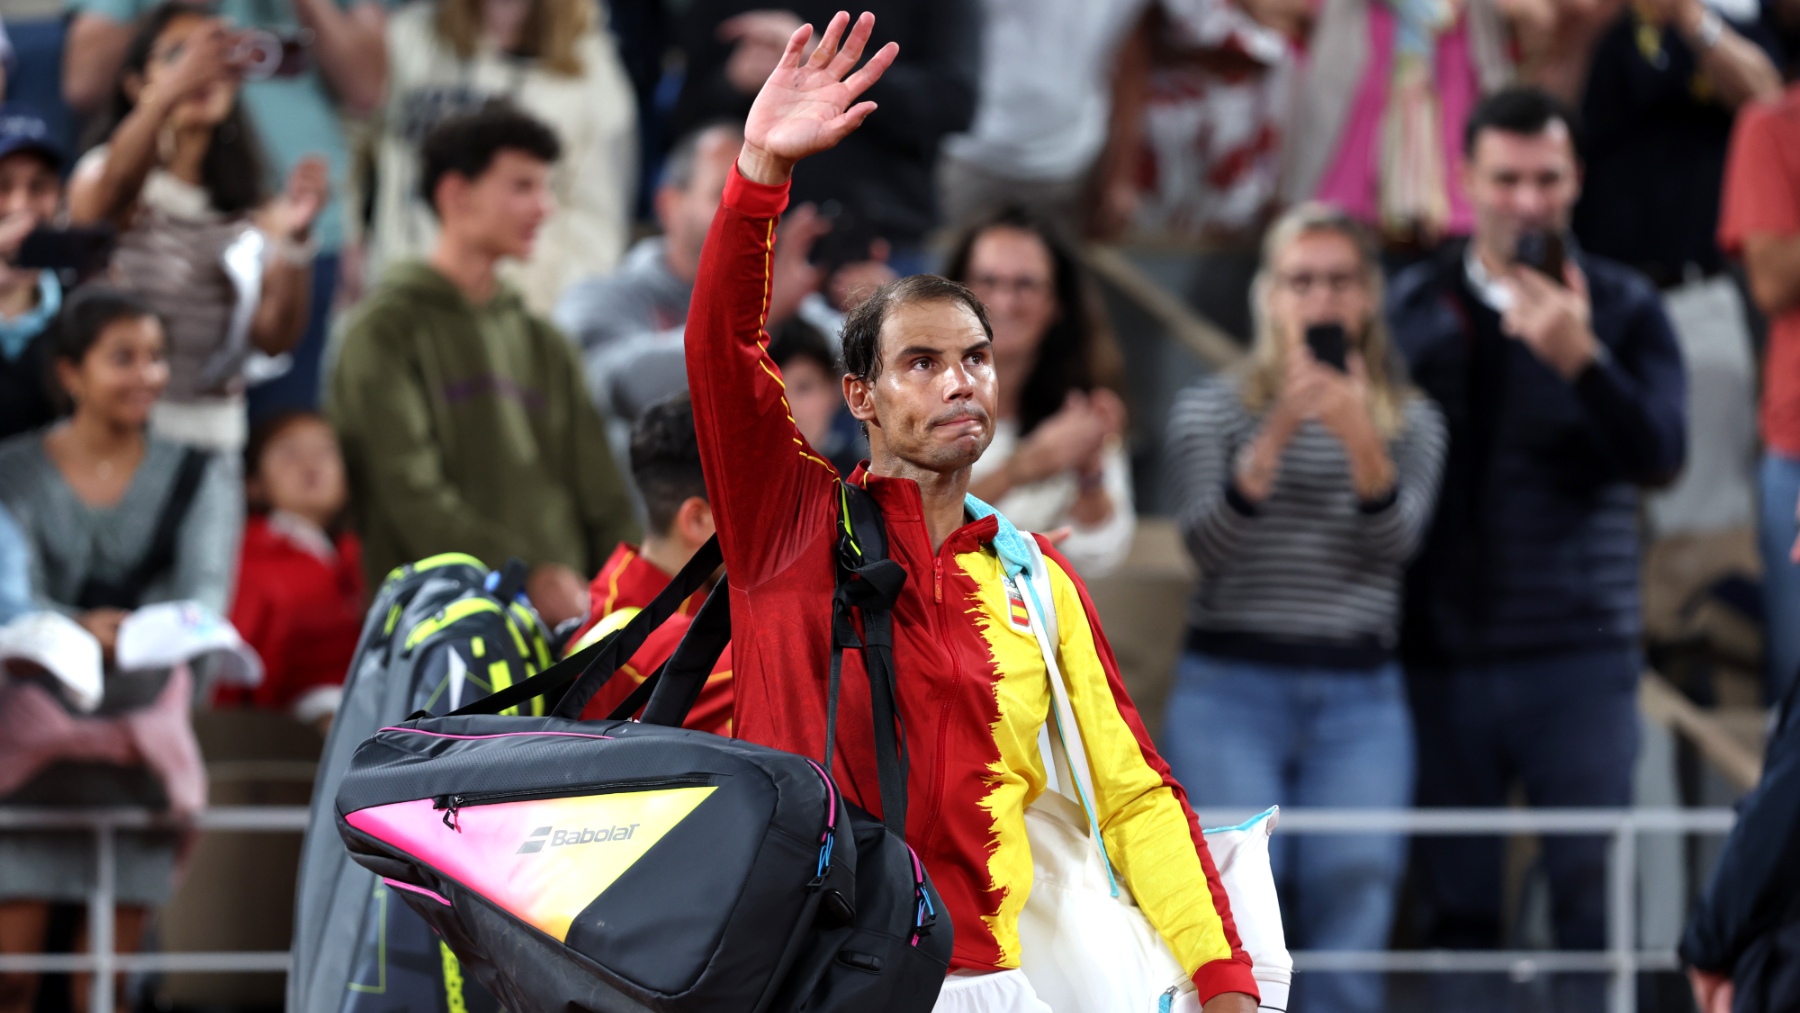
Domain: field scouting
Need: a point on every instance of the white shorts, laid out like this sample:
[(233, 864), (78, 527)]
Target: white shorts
[(999, 992)]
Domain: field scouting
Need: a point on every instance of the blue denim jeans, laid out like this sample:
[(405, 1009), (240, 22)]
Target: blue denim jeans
[(1246, 735), (1781, 578)]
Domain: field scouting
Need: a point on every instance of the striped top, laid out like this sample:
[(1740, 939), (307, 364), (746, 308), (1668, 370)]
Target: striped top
[(1312, 571)]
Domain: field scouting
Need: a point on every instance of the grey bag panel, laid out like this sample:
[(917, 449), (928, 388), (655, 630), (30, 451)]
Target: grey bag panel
[(333, 892)]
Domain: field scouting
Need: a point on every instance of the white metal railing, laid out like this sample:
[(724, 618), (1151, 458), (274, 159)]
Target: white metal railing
[(1621, 960)]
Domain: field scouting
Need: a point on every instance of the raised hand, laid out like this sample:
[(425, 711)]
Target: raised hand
[(308, 189), (809, 104)]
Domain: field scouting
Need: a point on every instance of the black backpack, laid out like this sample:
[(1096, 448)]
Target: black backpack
[(619, 866)]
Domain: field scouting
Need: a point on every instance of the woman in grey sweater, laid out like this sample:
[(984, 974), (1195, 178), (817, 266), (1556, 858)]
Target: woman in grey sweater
[(1305, 481), (89, 494)]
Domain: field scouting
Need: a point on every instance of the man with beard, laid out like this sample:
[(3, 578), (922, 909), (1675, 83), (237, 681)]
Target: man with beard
[(973, 690)]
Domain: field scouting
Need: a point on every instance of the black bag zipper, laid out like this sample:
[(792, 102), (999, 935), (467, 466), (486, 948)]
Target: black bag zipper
[(452, 803)]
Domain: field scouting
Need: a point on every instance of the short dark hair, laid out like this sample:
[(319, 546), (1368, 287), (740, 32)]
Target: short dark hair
[(797, 339), (862, 328), (88, 313), (665, 460), (1521, 110), (468, 144)]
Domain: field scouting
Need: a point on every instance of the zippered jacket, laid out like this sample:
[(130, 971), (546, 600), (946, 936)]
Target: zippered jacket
[(972, 684)]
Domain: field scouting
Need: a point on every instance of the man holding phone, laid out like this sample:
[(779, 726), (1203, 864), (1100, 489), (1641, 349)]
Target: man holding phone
[(1563, 387), (31, 193)]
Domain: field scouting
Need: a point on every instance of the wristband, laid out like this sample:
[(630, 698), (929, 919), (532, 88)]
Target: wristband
[(1710, 29), (294, 254)]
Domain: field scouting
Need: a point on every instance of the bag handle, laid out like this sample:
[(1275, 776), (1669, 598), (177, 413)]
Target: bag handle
[(1062, 734), (869, 582), (588, 670)]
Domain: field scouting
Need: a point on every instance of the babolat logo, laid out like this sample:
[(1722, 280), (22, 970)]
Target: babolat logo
[(564, 838)]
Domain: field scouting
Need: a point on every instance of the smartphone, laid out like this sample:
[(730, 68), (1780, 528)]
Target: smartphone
[(1330, 345), (1542, 252), (84, 251), (266, 54)]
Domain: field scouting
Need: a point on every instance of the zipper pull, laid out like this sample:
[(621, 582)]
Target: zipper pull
[(450, 804), (1167, 1002), (937, 580)]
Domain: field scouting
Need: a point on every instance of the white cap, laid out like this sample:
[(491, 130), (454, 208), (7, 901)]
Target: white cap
[(58, 645), (158, 636)]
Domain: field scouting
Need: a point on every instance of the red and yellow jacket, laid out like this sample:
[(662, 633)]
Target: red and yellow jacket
[(973, 688), (619, 591)]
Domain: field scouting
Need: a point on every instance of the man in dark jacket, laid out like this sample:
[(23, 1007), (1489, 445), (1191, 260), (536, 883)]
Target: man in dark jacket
[(1564, 393), (1742, 944)]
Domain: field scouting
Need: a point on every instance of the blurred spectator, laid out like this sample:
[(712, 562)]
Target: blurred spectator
[(1663, 86), (30, 197), (813, 383), (15, 569), (630, 324), (300, 596), (881, 177), (548, 58), (304, 64), (1058, 458), (1563, 396), (116, 519), (1759, 221), (1380, 103), (665, 465), (1217, 101), (1742, 942), (464, 424), (1059, 79), (181, 178), (1304, 490)]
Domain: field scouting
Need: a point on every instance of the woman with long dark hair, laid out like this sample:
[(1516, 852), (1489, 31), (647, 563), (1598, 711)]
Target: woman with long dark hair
[(182, 178), (1058, 458)]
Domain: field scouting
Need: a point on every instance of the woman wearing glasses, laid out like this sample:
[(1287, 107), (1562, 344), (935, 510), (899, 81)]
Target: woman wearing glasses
[(1305, 480), (1058, 458)]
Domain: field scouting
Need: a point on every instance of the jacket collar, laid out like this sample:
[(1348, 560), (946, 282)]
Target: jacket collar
[(900, 503)]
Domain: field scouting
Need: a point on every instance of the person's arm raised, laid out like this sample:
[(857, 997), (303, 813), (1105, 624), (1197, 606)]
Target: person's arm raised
[(765, 483)]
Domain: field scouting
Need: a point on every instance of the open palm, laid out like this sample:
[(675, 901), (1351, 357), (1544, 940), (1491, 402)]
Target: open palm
[(810, 105)]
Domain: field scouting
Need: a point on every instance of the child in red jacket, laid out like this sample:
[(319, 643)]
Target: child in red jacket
[(300, 593)]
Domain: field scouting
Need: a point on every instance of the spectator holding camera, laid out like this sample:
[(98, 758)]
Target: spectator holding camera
[(30, 197), (1058, 457), (1563, 386), (305, 65), (550, 58), (181, 177), (1306, 481)]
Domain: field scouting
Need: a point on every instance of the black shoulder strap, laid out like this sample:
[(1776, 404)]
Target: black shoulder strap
[(161, 554), (869, 582), (586, 671)]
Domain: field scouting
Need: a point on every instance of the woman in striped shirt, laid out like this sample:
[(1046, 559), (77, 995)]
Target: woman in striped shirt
[(1303, 488)]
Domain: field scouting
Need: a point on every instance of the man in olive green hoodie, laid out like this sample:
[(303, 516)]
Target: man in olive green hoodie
[(465, 423)]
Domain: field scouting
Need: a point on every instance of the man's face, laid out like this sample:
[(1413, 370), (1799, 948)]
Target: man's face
[(502, 209), (686, 213), (932, 405), (1521, 183), (28, 185)]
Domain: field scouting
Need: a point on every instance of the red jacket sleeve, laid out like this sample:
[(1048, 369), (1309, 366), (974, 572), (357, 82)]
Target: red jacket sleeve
[(768, 489)]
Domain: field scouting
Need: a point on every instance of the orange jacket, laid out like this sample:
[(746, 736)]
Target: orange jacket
[(972, 684)]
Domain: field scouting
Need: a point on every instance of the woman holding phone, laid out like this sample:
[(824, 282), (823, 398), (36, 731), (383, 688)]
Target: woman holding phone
[(1305, 480)]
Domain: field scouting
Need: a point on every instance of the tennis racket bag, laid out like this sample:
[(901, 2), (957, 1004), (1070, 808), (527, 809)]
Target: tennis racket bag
[(618, 866), (443, 631)]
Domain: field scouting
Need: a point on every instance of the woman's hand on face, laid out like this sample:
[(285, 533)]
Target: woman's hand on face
[(206, 58), (308, 189)]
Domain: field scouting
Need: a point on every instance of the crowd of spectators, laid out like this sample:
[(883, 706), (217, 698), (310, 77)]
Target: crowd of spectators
[(333, 285)]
